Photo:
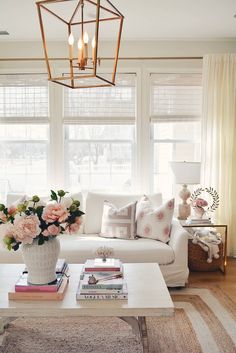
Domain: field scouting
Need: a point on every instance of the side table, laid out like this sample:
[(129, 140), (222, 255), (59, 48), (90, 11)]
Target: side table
[(224, 238)]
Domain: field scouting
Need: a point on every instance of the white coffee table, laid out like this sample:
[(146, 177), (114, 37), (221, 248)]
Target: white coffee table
[(147, 296)]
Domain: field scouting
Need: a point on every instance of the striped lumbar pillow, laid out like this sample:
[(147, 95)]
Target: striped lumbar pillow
[(118, 223)]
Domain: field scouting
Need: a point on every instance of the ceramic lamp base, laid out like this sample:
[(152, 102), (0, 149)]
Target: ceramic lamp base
[(184, 211)]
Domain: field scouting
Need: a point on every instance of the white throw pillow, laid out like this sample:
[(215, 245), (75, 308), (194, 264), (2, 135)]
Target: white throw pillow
[(154, 223), (118, 222)]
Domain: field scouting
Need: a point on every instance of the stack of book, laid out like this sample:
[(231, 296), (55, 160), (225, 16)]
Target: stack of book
[(102, 280), (51, 291), (198, 221)]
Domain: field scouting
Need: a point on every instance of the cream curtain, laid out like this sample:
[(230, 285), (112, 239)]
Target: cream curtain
[(219, 136)]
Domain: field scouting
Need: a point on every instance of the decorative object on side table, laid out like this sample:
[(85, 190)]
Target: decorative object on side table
[(185, 173), (35, 226), (199, 204)]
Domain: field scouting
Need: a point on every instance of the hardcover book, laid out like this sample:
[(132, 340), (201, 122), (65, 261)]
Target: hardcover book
[(22, 285), (98, 265), (106, 295), (59, 295)]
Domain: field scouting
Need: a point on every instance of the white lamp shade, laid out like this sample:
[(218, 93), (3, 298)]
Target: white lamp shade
[(186, 172)]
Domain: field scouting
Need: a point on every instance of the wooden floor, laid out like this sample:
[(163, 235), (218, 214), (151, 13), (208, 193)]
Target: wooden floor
[(226, 281)]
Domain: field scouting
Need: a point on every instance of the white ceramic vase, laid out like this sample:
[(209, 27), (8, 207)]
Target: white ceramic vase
[(41, 260), (199, 212)]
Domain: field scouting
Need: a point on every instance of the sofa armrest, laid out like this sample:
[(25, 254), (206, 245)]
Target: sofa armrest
[(179, 242)]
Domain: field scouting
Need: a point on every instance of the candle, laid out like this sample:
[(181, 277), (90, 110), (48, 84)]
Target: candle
[(71, 43), (80, 51), (86, 39)]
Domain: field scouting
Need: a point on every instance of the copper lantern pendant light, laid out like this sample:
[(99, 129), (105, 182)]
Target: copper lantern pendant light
[(81, 22)]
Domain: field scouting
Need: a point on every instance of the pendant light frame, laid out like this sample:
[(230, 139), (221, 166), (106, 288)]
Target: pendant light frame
[(76, 67)]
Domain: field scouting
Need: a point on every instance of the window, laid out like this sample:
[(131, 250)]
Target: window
[(175, 118), (99, 136), (24, 132)]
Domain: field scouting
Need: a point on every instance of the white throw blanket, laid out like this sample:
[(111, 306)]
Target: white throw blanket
[(209, 241)]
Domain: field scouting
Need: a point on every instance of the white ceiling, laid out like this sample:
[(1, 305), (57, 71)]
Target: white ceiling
[(150, 19)]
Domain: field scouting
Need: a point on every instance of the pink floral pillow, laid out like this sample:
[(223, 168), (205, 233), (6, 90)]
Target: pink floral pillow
[(154, 223)]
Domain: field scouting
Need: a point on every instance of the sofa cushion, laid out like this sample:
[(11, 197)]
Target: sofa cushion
[(154, 223), (79, 248), (94, 207), (118, 222)]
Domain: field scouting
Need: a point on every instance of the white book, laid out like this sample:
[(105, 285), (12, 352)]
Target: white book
[(98, 264), (102, 296)]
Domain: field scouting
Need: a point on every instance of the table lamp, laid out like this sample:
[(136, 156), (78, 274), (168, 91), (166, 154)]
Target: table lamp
[(185, 173)]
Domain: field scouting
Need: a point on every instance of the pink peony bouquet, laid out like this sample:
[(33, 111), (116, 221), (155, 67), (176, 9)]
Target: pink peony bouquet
[(33, 219), (199, 202)]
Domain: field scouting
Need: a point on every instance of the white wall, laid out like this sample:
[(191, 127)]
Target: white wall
[(133, 49)]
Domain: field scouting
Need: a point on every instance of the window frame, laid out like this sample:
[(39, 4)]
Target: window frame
[(150, 124)]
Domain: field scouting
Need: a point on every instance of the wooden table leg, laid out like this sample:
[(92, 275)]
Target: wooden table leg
[(4, 322), (143, 333), (139, 328)]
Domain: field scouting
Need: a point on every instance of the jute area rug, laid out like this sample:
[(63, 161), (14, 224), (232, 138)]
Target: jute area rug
[(204, 322)]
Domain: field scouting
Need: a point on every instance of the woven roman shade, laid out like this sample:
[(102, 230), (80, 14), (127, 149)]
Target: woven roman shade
[(102, 105), (175, 97), (24, 98)]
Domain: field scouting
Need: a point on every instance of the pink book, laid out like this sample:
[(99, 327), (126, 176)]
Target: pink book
[(23, 286)]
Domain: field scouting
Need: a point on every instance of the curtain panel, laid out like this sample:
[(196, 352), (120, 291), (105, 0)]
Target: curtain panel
[(219, 136)]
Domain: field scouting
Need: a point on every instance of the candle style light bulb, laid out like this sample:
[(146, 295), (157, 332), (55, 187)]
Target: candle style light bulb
[(71, 39), (80, 52), (80, 44), (71, 42), (86, 38), (93, 43)]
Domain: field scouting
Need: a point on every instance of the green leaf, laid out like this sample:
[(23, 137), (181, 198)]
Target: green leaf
[(39, 211), (41, 240), (54, 196), (9, 247), (16, 246)]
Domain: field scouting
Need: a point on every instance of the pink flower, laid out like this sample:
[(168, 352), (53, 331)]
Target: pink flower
[(52, 230), (160, 216), (199, 202), (73, 228), (78, 220), (45, 233), (55, 212), (12, 210), (26, 228), (3, 217)]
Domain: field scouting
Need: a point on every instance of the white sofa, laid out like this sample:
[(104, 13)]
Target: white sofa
[(171, 257)]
